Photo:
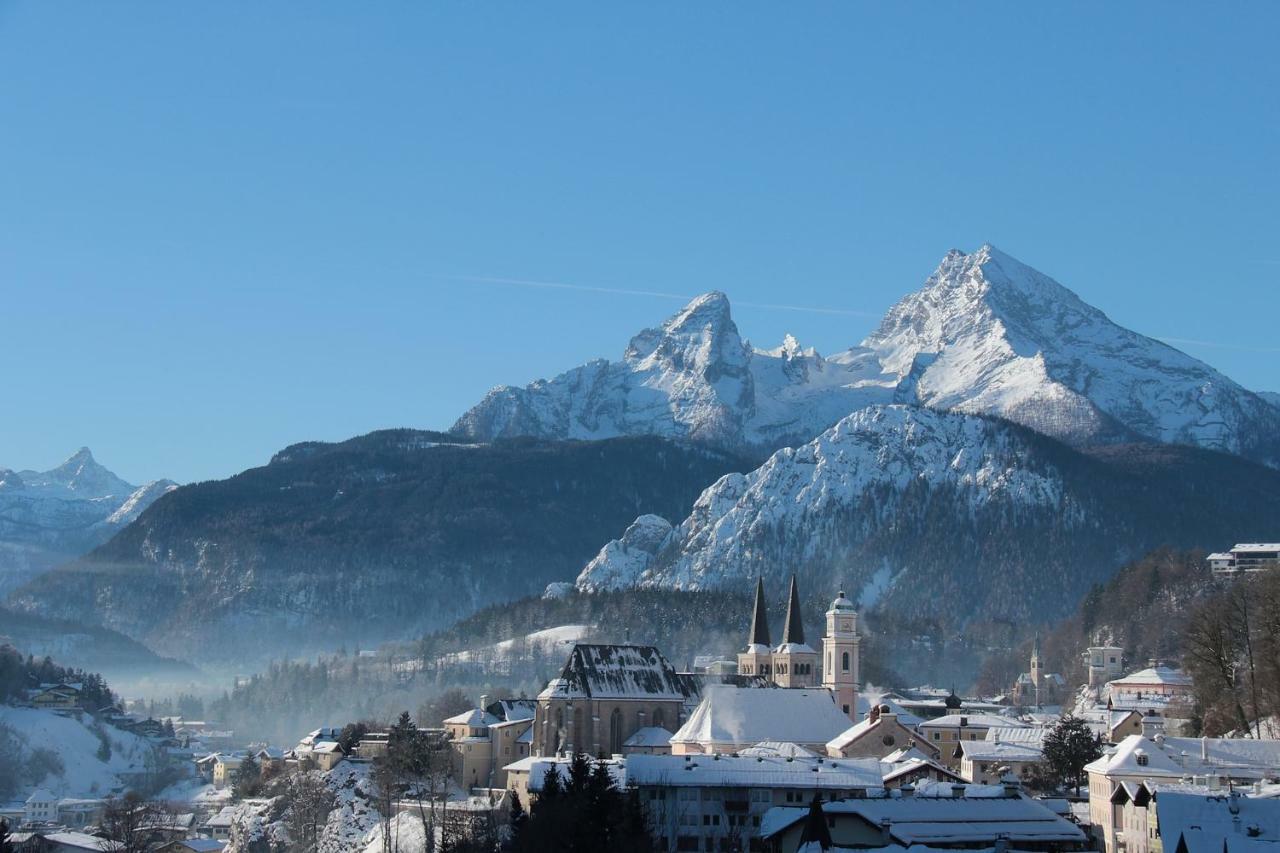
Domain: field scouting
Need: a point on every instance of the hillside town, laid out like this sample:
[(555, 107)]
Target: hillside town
[(779, 746)]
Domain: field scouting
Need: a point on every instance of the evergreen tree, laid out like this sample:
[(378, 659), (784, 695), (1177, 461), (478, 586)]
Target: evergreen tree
[(1068, 747), (247, 778)]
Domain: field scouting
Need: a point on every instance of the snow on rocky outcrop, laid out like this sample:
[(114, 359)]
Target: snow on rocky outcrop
[(843, 486), (47, 517), (989, 334), (694, 377)]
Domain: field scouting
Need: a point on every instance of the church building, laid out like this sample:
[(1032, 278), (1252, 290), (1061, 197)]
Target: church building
[(793, 663)]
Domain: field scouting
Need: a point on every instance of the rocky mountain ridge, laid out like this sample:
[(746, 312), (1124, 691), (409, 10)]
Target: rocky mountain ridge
[(986, 335), (943, 515)]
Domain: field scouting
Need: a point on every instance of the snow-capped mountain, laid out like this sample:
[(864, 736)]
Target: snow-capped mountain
[(695, 378), (943, 514), (47, 517), (987, 334)]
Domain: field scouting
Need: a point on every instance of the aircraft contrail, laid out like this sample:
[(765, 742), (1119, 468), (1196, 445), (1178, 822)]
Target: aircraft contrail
[(683, 297), (1215, 345)]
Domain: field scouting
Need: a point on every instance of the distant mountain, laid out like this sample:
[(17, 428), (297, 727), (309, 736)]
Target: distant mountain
[(945, 515), (986, 335), (375, 538), (990, 335), (48, 517), (693, 378), (1271, 397)]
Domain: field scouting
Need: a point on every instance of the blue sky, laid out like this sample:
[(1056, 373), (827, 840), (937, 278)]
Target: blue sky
[(228, 227)]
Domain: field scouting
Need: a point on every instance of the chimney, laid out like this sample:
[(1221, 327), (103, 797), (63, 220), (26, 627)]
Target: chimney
[(885, 836), (908, 790), (873, 714), (957, 791), (484, 702), (964, 721)]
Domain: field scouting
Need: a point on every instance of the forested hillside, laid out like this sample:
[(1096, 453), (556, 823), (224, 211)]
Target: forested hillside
[(376, 538)]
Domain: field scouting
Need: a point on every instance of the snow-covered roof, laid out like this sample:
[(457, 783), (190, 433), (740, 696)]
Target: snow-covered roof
[(1205, 822), (40, 795), (947, 821), (327, 746), (1252, 547), (83, 841), (1026, 735), (616, 672), (649, 736), (862, 729), (202, 845), (734, 716), (780, 748), (971, 721), (794, 649), (894, 770), (1137, 756), (513, 709), (526, 737), (1154, 675), (724, 771), (985, 750), (476, 717)]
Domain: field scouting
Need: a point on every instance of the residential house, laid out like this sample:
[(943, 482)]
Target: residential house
[(1245, 558), (1154, 688), (880, 734), (947, 733), (40, 807), (58, 697), (709, 802), (1214, 762), (225, 766), (730, 719), (79, 842)]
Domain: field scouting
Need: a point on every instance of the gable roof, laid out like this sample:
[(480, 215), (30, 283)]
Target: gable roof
[(616, 672), (732, 715), (649, 736), (476, 717)]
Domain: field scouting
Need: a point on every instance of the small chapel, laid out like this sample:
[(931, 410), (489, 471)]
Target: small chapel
[(793, 663)]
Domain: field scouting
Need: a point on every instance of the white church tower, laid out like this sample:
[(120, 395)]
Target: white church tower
[(840, 650)]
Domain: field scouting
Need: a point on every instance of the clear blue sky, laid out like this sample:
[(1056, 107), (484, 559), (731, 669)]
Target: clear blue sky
[(226, 227)]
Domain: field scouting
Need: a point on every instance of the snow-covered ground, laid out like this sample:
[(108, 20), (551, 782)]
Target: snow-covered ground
[(546, 640), (84, 774)]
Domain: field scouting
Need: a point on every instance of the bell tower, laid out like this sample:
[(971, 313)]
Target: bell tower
[(840, 655)]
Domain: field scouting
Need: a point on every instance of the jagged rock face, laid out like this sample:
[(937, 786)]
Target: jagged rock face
[(997, 337), (692, 378), (938, 514), (986, 335), (47, 517)]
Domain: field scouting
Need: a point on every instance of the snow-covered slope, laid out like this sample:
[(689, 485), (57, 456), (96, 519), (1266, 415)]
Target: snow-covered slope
[(934, 514), (989, 334), (47, 517), (694, 377), (794, 505), (85, 772), (986, 334)]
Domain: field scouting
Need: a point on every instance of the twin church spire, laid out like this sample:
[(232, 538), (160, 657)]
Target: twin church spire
[(793, 662)]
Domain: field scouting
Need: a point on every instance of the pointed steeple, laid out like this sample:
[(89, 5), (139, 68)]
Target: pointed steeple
[(759, 619), (794, 630)]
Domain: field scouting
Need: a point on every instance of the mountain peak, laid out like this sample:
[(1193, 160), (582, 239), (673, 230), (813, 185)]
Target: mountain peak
[(83, 474), (700, 333)]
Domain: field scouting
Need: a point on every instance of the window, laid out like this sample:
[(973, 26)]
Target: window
[(659, 719), (846, 708), (937, 735), (844, 660), (615, 731)]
